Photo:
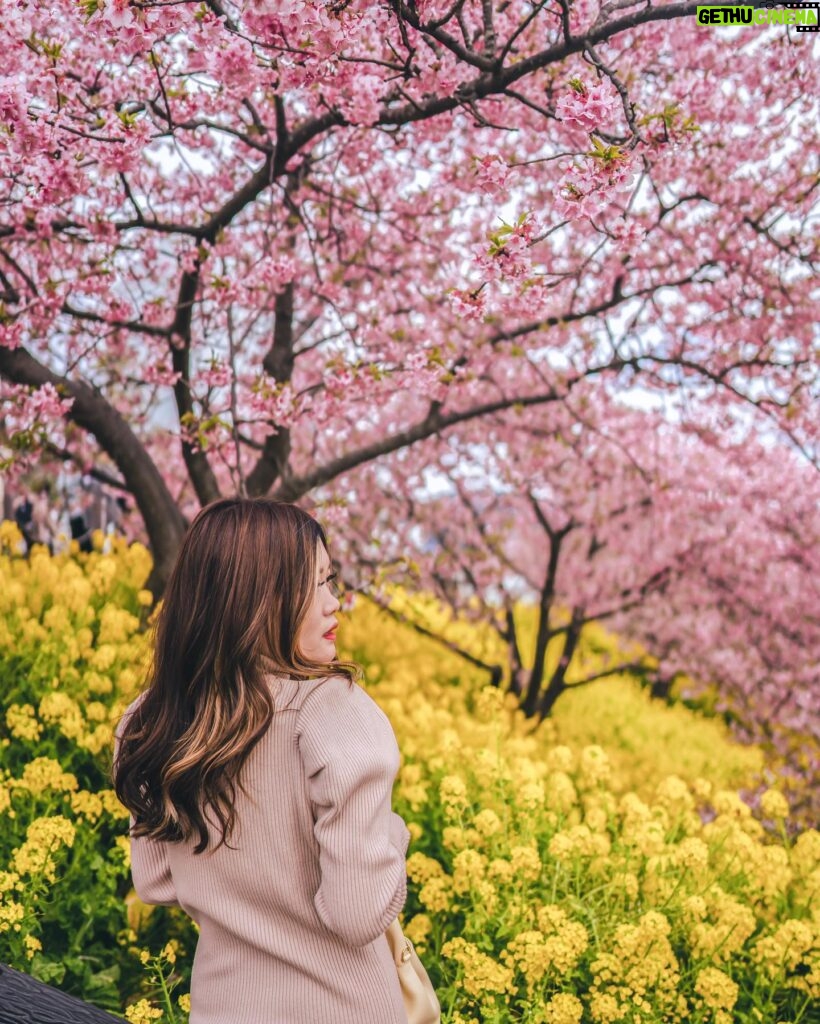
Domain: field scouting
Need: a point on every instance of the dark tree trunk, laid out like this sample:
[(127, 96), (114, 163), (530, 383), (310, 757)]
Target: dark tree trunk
[(558, 683)]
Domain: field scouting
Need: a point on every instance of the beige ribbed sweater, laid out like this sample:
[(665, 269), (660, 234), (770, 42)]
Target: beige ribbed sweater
[(292, 921)]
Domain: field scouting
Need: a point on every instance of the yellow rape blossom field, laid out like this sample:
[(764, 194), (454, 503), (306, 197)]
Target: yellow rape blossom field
[(598, 868)]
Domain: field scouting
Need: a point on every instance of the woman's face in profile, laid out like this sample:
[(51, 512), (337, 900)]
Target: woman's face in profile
[(317, 636)]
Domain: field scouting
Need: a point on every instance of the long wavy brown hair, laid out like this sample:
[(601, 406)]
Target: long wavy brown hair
[(240, 589)]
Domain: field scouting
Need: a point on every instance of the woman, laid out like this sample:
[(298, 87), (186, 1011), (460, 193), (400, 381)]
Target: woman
[(259, 774)]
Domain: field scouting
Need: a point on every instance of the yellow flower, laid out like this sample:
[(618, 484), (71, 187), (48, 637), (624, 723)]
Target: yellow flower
[(486, 897), (11, 539), (60, 709), (526, 862), (563, 1009), (805, 854), (11, 914), (8, 881), (142, 1012), (98, 739), (557, 947), (487, 822), (185, 999), (103, 658), (528, 952), (22, 722), (487, 767), (594, 767), (421, 868), (112, 804), (123, 844), (719, 925), (673, 794), (415, 795), (469, 868), (578, 841), (116, 625), (45, 773), (717, 989), (596, 819), (774, 805), (605, 1008), (488, 704), (560, 759), (453, 793), (566, 940), (626, 882), (730, 804), (500, 869), (482, 974), (785, 949), (86, 805), (453, 837), (417, 929), (435, 894), (691, 853), (33, 945), (44, 836), (98, 684), (640, 970), (530, 796), (96, 711)]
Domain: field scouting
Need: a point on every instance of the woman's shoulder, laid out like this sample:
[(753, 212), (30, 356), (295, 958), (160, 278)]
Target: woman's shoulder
[(336, 696), (326, 690), (339, 718)]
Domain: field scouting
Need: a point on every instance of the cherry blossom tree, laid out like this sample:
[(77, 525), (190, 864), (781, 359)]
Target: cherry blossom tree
[(704, 552), (701, 552), (264, 247)]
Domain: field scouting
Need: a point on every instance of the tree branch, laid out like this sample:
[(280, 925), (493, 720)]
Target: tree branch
[(92, 412)]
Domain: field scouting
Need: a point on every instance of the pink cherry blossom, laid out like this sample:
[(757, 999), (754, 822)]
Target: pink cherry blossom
[(587, 106), (492, 174)]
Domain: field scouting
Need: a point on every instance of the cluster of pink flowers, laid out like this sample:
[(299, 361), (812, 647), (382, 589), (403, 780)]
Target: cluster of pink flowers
[(588, 107), (628, 235), (215, 375), (492, 174), (508, 257), (39, 411), (360, 101), (469, 305), (587, 188), (268, 401), (159, 373)]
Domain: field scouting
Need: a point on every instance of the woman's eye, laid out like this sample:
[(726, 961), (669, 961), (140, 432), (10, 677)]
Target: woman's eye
[(334, 586)]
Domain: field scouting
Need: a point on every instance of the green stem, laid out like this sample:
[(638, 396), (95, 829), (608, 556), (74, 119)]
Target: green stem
[(166, 995)]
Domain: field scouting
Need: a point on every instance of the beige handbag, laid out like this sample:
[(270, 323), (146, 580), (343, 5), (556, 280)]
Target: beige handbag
[(420, 1000)]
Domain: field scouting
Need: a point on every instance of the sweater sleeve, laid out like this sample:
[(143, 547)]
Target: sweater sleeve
[(150, 870), (350, 759)]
